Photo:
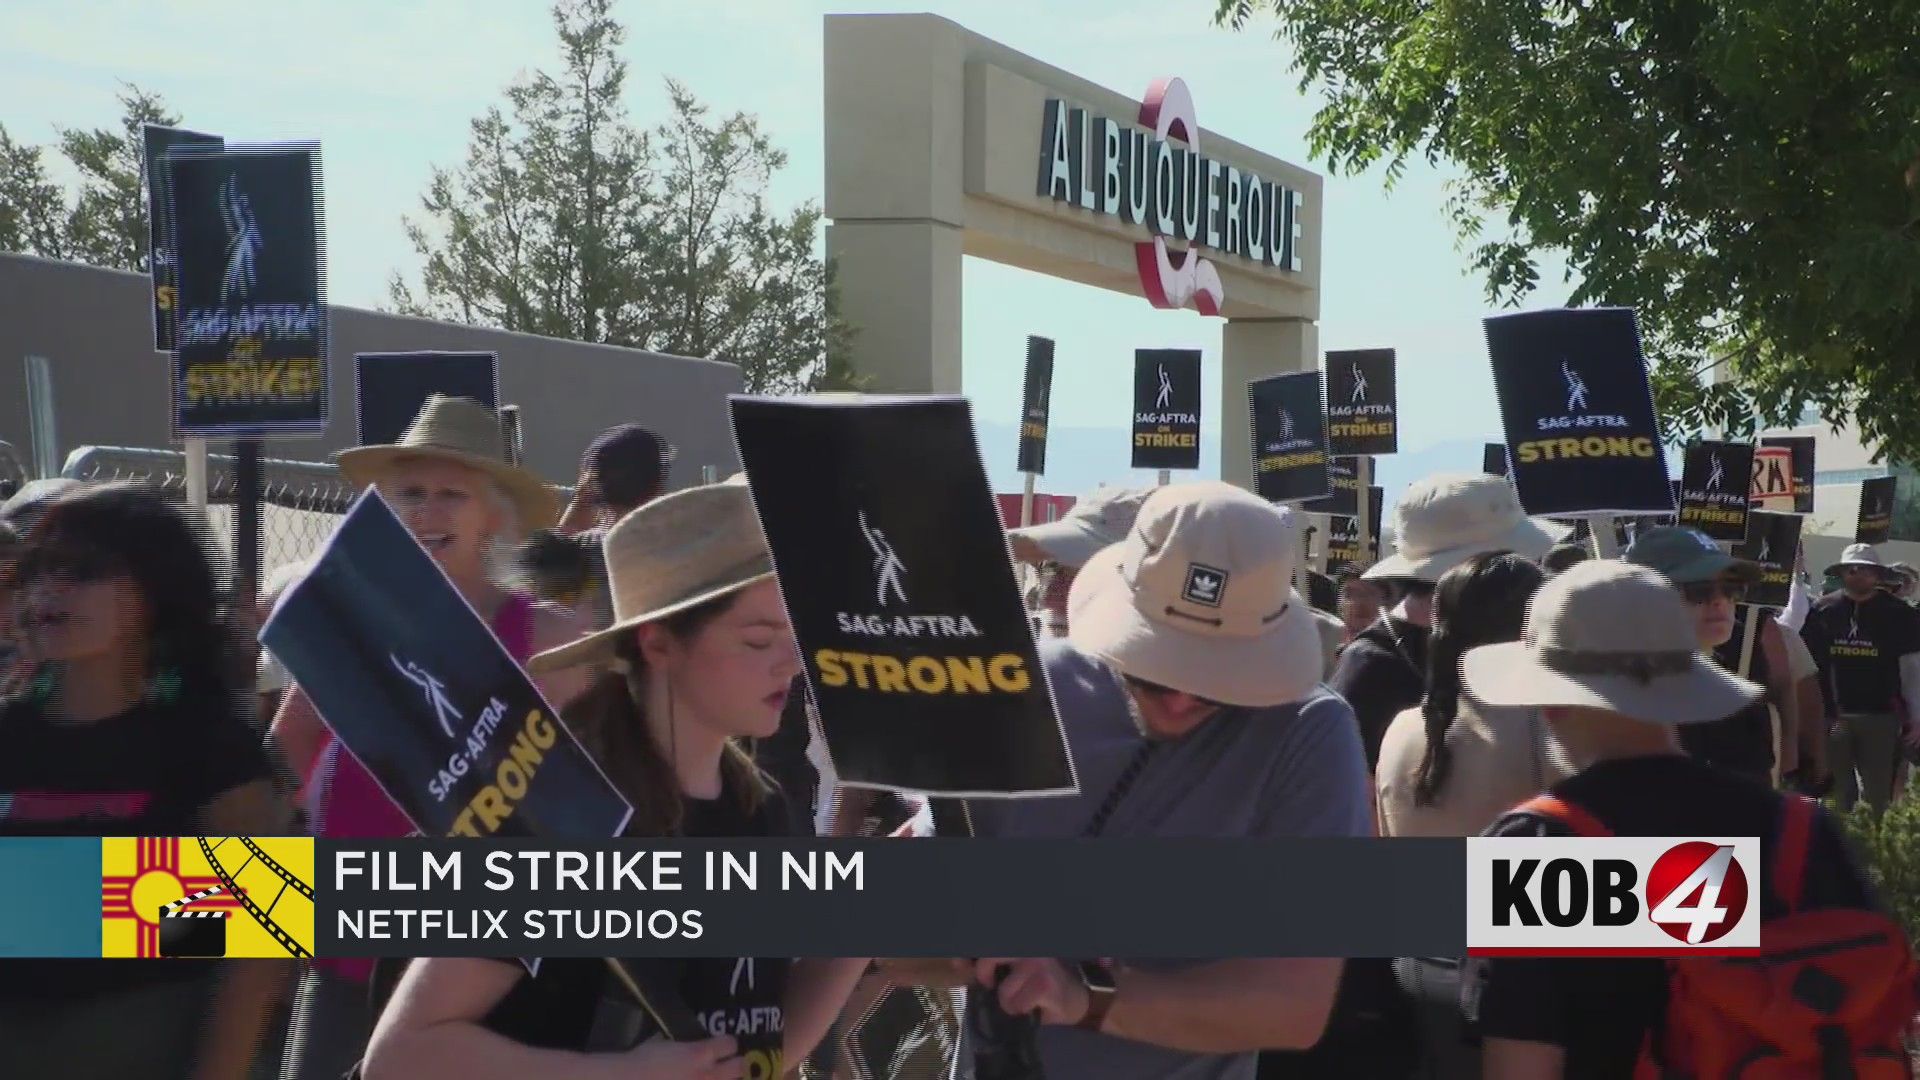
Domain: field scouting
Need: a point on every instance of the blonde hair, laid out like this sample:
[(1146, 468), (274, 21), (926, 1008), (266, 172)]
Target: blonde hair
[(497, 550)]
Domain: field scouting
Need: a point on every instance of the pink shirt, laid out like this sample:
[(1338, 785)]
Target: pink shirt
[(345, 801)]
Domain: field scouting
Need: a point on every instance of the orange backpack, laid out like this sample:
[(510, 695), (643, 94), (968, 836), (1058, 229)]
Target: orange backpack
[(1830, 996)]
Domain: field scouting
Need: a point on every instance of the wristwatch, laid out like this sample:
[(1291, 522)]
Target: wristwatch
[(1101, 990)]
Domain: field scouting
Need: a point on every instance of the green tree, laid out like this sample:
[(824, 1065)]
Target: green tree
[(569, 221), (105, 221), (1744, 173)]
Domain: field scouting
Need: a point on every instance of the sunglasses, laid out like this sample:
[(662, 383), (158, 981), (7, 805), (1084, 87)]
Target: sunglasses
[(1143, 686), (1703, 592)]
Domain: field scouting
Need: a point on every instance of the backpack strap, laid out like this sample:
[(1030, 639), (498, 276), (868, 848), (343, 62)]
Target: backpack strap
[(1795, 843), (1564, 812)]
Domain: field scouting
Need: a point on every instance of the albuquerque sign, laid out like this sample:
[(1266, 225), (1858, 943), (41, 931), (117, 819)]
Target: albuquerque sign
[(1137, 172)]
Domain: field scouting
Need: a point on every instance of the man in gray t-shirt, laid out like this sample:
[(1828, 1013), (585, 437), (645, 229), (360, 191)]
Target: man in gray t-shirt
[(1190, 689)]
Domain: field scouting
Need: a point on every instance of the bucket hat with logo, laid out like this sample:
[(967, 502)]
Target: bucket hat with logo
[(677, 552), (466, 431), (1444, 520), (1860, 555), (1609, 635), (1199, 598)]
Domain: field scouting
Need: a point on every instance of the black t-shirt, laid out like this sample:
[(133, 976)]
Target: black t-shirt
[(1600, 1011), (1863, 643), (1381, 673), (1742, 742), (578, 1004), (149, 771)]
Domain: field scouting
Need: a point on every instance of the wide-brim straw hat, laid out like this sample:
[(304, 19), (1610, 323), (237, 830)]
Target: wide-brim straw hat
[(1609, 635), (1860, 555), (462, 430), (676, 552)]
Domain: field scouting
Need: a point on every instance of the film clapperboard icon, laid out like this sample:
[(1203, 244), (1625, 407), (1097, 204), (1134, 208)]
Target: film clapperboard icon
[(195, 934)]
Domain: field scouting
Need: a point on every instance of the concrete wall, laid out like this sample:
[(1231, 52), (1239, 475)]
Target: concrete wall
[(110, 387)]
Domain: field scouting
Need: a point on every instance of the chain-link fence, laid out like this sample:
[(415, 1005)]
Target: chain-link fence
[(301, 501)]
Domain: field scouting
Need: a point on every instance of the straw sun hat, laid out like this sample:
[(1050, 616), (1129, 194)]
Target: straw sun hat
[(676, 552), (461, 430)]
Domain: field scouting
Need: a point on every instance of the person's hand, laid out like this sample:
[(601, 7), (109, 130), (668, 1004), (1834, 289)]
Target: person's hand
[(661, 1059), (1046, 987), (1025, 550), (933, 974)]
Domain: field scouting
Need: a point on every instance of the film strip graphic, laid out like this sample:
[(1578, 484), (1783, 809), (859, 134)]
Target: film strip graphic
[(151, 855), (264, 862)]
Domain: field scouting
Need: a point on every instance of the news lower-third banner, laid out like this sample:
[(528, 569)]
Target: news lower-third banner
[(519, 898)]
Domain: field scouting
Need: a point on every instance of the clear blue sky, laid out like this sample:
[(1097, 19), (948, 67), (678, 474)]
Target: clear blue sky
[(388, 88)]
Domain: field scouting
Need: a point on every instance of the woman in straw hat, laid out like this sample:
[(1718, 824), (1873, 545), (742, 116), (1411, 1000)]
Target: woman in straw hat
[(446, 480), (700, 656)]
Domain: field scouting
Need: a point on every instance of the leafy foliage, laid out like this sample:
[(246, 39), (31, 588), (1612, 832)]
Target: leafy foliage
[(1744, 173), (105, 223), (568, 221), (1890, 844)]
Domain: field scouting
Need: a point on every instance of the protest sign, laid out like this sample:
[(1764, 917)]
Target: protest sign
[(1773, 542), (250, 321), (1289, 418), (1036, 405), (416, 686), (1343, 483), (1712, 498), (1875, 523), (390, 388), (1166, 408), (1772, 488), (1363, 409), (1343, 536), (1578, 413), (1493, 459), (156, 141), (1801, 447), (901, 591)]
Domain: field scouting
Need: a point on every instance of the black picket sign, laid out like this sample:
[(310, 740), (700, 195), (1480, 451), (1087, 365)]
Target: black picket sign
[(1493, 459), (1772, 542), (1166, 408), (389, 388), (1803, 465), (419, 689), (1714, 483), (1343, 536), (1578, 413), (900, 587), (1036, 406), (1289, 418), (250, 321), (1875, 522), (1363, 409), (156, 142), (1343, 481)]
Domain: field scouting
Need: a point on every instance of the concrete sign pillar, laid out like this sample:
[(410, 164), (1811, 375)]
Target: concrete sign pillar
[(941, 143)]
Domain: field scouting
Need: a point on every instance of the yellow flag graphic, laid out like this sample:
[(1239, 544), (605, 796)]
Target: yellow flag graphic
[(214, 896)]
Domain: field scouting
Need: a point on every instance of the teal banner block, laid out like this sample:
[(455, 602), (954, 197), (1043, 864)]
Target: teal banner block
[(50, 896)]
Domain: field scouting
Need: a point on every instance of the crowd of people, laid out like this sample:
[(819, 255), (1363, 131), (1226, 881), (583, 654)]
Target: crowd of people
[(1487, 678)]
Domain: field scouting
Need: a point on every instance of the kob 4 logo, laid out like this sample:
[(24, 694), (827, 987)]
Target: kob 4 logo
[(1620, 896)]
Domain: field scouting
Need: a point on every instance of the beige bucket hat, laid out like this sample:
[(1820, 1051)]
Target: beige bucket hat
[(1100, 520), (1446, 519), (1860, 555), (1609, 635), (677, 552), (1199, 598), (466, 431)]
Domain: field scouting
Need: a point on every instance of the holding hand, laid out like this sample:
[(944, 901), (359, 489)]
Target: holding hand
[(1047, 987)]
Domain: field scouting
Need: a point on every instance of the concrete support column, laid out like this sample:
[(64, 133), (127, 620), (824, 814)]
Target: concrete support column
[(1252, 349), (899, 284)]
